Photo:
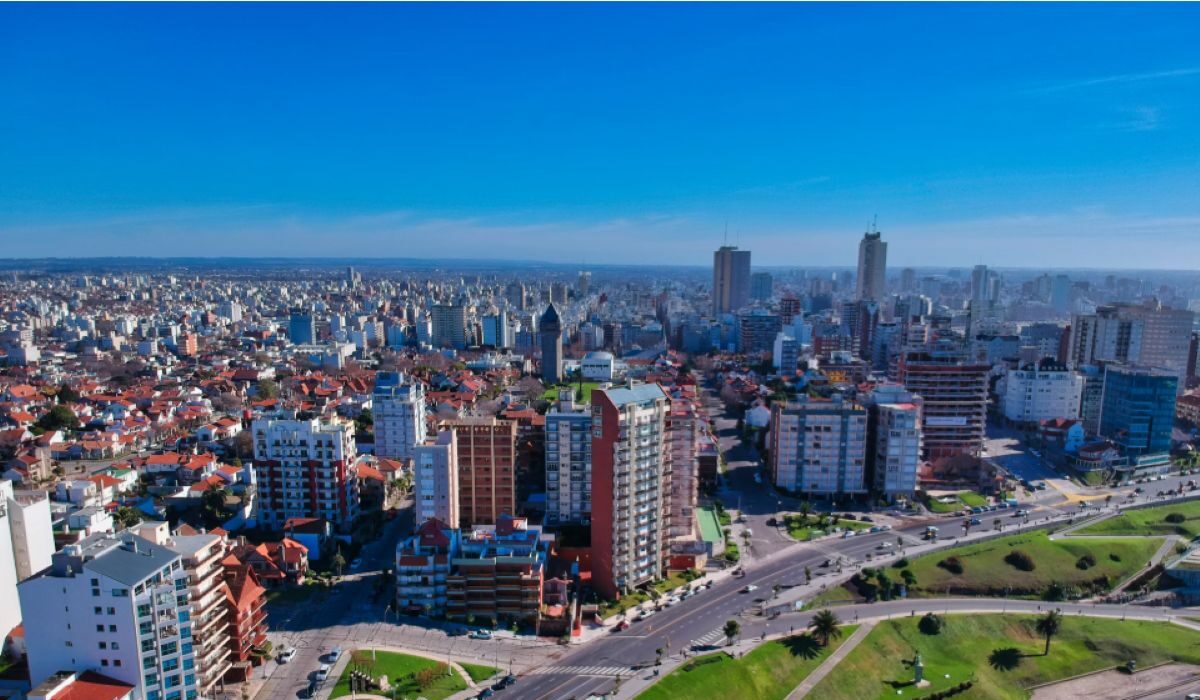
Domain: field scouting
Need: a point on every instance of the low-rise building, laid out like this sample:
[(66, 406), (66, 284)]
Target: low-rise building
[(422, 566), (497, 576)]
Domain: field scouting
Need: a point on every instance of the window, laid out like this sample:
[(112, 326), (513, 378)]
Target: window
[(99, 628), (112, 628), (96, 610), (112, 611), (103, 645)]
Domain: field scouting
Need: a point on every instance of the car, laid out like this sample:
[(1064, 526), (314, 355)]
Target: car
[(1020, 513), (974, 521), (758, 478), (507, 680), (739, 572), (1041, 486), (356, 565), (456, 632), (322, 673), (847, 534), (1193, 696), (480, 634), (876, 528), (622, 627), (885, 527), (485, 693), (827, 563), (286, 655), (867, 519), (884, 545), (310, 691), (1139, 490), (750, 588)]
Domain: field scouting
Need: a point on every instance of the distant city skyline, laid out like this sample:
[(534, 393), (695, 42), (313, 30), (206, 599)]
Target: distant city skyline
[(999, 134)]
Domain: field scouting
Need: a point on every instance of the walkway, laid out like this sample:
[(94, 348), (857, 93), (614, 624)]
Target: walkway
[(340, 667), (834, 659)]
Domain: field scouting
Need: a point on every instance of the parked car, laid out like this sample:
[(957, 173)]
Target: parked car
[(504, 682), (286, 655), (884, 546), (334, 655), (480, 634), (322, 673)]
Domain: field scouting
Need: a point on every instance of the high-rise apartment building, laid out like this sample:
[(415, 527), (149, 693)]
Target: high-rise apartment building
[(302, 327), (756, 331), (496, 331), (955, 394), (893, 441), (683, 434), (515, 294), (487, 457), (398, 410), (435, 480), (550, 340), (1041, 391), (786, 354), (1138, 409), (731, 279), (819, 446), (569, 461), (872, 267), (584, 284), (26, 545), (305, 469), (208, 604), (631, 483), (117, 605), (449, 326), (1147, 335)]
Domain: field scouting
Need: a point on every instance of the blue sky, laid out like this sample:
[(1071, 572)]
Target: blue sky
[(1056, 135)]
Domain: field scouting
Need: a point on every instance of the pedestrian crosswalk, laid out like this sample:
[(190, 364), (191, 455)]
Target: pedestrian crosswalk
[(710, 638), (580, 670)]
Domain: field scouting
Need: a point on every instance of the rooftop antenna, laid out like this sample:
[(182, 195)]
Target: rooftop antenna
[(726, 242)]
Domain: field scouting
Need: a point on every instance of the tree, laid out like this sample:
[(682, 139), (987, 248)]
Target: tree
[(67, 395), (339, 562), (731, 630), (128, 516), (365, 421), (267, 389), (1048, 625), (910, 579), (57, 418), (930, 624), (807, 575), (825, 626)]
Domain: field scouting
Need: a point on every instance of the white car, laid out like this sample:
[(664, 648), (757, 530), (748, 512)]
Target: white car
[(322, 673), (884, 545), (750, 588), (286, 655)]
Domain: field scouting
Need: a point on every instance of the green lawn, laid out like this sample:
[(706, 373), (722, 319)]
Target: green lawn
[(838, 595), (1150, 521), (675, 580), (1001, 653), (769, 672), (802, 527), (399, 669), (965, 499), (552, 392), (985, 571), (478, 672)]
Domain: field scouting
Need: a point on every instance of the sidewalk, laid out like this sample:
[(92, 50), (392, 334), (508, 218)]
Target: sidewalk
[(834, 659)]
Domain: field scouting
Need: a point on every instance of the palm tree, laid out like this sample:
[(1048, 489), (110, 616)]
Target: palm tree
[(825, 626), (805, 509), (1048, 625), (731, 630)]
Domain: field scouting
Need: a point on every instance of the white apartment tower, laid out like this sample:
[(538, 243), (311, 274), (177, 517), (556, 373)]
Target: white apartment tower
[(305, 469), (119, 606), (26, 545), (398, 409), (893, 441), (1041, 391), (818, 446), (435, 480), (568, 461)]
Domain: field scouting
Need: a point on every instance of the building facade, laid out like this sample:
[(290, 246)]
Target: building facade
[(569, 462), (117, 605), (550, 340), (893, 442), (1138, 409), (955, 395), (819, 446), (486, 449), (398, 410), (631, 482), (1041, 391), (305, 469), (872, 267), (435, 480), (731, 279)]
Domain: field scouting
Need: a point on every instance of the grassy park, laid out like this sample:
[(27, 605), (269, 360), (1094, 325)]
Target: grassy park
[(989, 567), (1151, 521), (964, 499), (804, 527), (769, 672), (629, 600), (1002, 655), (586, 397), (479, 672), (404, 673)]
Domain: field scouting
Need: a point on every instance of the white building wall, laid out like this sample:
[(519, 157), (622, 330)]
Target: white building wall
[(1032, 395)]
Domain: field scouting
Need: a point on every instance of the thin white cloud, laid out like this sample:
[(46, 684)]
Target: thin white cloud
[(1137, 119), (1122, 78)]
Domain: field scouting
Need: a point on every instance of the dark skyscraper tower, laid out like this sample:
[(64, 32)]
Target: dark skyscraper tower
[(731, 279), (550, 337)]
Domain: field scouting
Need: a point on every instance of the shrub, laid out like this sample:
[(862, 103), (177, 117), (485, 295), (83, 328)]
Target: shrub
[(930, 624), (1085, 562), (1175, 518), (1114, 556), (1019, 560), (1055, 591), (952, 564), (900, 563)]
